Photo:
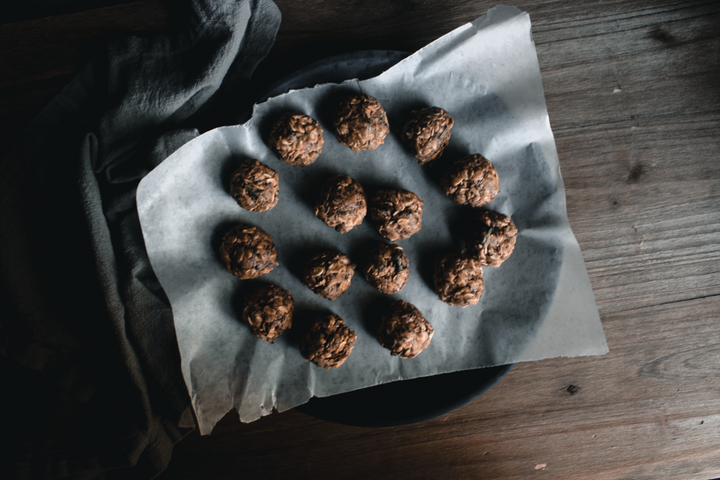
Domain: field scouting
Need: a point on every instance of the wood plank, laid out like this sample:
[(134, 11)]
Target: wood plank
[(639, 412)]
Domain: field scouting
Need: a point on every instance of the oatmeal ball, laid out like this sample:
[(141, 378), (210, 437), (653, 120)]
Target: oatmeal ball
[(396, 214), (248, 252), (361, 123), (388, 268), (268, 311), (494, 238), (404, 331), (341, 204), (255, 186), (329, 342), (427, 133), (328, 274), (458, 279), (296, 139), (472, 181)]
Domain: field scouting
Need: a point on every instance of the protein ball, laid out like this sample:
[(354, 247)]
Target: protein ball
[(329, 342), (361, 123), (268, 311), (404, 331), (328, 274), (427, 133), (296, 139), (342, 204), (494, 238), (458, 279), (396, 214), (248, 252), (472, 181), (255, 186), (388, 268)]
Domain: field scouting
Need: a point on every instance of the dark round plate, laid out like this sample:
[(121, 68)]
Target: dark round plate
[(396, 403)]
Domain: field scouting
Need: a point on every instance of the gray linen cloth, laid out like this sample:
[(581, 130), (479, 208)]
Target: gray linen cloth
[(92, 386)]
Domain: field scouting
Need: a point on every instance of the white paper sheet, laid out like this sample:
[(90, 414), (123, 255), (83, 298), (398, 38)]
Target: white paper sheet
[(538, 304)]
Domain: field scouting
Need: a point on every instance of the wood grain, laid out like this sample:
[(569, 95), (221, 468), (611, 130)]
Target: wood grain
[(633, 95)]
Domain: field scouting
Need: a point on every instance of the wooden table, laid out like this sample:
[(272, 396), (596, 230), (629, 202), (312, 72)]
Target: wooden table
[(633, 93)]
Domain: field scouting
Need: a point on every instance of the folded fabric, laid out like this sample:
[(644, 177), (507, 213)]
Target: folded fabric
[(88, 352)]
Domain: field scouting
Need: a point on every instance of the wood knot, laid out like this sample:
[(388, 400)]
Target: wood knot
[(635, 172), (570, 389), (661, 35)]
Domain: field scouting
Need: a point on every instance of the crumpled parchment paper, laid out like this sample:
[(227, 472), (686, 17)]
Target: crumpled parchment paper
[(538, 304)]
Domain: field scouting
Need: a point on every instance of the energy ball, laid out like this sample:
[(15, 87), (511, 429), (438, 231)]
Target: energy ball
[(342, 204), (472, 180), (248, 252), (404, 331), (458, 279), (388, 268), (329, 342), (427, 133), (255, 186), (296, 139), (268, 311), (328, 274), (361, 123), (494, 238), (396, 214)]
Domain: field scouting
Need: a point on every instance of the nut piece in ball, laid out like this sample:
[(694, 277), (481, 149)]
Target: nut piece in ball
[(472, 180), (328, 274), (404, 331), (248, 252), (341, 204), (361, 123), (396, 214), (494, 238), (388, 268), (427, 133), (329, 342), (268, 311), (296, 139), (255, 186), (458, 279)]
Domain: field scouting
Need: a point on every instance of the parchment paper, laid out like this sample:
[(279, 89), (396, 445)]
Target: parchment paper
[(538, 304)]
